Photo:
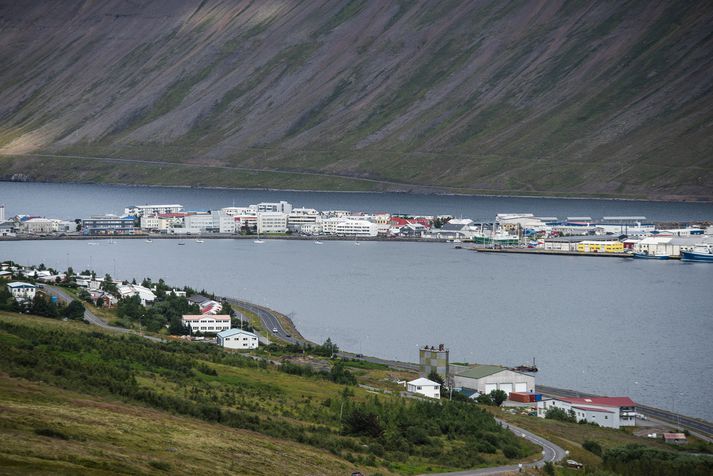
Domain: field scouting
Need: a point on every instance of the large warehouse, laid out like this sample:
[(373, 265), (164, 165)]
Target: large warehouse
[(486, 378)]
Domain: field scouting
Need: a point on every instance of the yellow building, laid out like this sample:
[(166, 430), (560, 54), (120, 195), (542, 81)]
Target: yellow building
[(600, 247)]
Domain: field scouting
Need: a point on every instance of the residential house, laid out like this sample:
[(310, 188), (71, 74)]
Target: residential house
[(610, 412), (425, 387), (675, 438), (237, 339), (102, 298), (22, 291), (486, 378), (207, 324)]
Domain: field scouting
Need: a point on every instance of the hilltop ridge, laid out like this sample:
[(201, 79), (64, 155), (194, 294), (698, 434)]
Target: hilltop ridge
[(541, 98)]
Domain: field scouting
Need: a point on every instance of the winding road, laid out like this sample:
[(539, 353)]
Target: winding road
[(551, 453), (92, 318)]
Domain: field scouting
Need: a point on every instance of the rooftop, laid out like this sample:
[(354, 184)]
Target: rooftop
[(480, 371), (232, 332), (198, 317), (423, 382), (603, 401)]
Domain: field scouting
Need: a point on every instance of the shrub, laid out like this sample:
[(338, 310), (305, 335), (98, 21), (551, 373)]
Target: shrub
[(511, 451), (592, 447), (561, 415), (51, 433)]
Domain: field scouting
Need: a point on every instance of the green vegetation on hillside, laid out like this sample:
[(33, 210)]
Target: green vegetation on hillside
[(207, 383)]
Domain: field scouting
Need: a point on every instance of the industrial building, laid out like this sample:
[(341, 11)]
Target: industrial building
[(486, 378), (610, 412)]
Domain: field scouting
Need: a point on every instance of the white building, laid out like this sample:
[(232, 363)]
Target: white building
[(610, 412), (357, 228), (2, 213), (7, 228), (486, 378), (151, 222), (669, 245), (128, 290), (39, 225), (22, 291), (141, 210), (271, 222), (237, 339), (198, 222), (276, 207), (222, 222), (299, 217), (425, 387), (207, 323)]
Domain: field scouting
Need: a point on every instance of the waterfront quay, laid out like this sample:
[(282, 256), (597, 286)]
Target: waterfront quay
[(608, 236)]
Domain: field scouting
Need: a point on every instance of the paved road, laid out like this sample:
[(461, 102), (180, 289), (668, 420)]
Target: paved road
[(700, 428), (551, 453), (92, 318), (268, 318)]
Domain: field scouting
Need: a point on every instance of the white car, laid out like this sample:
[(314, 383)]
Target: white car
[(274, 329)]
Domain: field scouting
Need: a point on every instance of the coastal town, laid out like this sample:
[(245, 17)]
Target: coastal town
[(623, 236)]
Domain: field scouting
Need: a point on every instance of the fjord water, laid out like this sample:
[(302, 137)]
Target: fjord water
[(604, 325), (70, 201)]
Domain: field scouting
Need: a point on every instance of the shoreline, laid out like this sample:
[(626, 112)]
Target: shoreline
[(599, 197), (218, 236)]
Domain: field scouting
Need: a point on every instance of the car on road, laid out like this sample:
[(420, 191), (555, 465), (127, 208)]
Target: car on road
[(274, 329)]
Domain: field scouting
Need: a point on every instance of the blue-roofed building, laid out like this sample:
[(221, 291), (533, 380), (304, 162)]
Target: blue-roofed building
[(237, 339)]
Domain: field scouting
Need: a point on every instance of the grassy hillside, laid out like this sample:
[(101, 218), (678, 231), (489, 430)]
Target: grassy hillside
[(47, 430), (608, 98), (325, 427)]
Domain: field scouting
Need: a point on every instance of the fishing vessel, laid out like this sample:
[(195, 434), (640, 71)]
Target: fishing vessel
[(700, 253), (646, 255)]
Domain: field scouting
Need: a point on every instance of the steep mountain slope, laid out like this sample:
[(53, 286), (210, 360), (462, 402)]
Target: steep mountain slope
[(610, 98)]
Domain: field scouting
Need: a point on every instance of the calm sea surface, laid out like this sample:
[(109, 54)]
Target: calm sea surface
[(79, 201), (611, 326)]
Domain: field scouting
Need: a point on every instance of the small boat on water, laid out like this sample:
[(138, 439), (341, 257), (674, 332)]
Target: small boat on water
[(149, 240), (526, 367), (700, 253), (258, 241), (199, 241), (92, 243), (317, 242), (181, 243), (646, 255)]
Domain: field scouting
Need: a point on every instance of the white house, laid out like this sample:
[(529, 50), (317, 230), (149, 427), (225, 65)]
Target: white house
[(207, 323), (22, 291), (425, 387), (486, 378), (610, 412), (237, 339)]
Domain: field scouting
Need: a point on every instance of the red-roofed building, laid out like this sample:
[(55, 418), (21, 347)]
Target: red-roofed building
[(610, 412)]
